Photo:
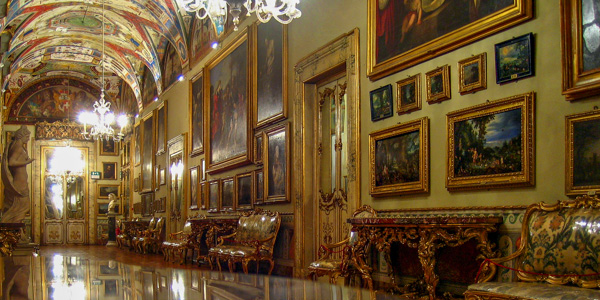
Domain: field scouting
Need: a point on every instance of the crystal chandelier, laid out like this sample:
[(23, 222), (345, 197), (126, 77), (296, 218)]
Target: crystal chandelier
[(102, 119), (283, 11)]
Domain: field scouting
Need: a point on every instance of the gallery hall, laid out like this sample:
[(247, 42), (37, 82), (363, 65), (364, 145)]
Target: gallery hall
[(300, 149)]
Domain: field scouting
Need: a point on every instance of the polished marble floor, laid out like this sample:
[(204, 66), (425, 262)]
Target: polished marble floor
[(99, 272)]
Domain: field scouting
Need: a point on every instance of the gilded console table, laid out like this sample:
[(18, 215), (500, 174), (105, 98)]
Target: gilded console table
[(426, 234), (207, 230), (10, 234)]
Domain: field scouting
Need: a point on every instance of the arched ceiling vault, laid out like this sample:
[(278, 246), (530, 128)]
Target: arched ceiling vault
[(68, 37)]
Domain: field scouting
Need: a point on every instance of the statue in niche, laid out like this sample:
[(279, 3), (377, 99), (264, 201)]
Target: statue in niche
[(14, 176)]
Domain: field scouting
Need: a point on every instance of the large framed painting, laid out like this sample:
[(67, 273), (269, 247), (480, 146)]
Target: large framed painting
[(409, 94), (244, 191), (227, 106), (583, 165), (147, 154), (137, 144), (491, 145), (270, 80), (514, 59), (106, 189), (277, 163), (196, 115), (402, 34), (580, 53), (399, 159), (161, 128)]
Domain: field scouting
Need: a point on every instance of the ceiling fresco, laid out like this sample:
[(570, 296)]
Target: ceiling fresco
[(58, 38)]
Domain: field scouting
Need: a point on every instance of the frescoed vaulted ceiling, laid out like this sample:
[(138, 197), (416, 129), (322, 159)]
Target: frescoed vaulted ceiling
[(65, 38)]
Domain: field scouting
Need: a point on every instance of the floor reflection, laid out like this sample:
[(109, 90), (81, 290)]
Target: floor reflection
[(71, 277)]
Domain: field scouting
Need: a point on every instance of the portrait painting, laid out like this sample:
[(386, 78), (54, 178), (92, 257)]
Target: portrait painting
[(472, 74), (149, 91), (196, 111), (277, 173), (405, 33), (271, 80), (147, 154), (580, 50), (161, 128), (227, 194), (438, 84), (258, 148), (514, 59), (490, 145), (137, 145), (583, 150), (171, 66), (228, 107), (409, 94), (214, 188), (399, 159), (105, 189), (194, 187), (259, 186), (110, 288), (243, 194), (382, 103), (108, 146), (109, 170)]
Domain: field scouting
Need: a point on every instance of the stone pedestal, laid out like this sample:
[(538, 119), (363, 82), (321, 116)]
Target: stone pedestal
[(112, 237)]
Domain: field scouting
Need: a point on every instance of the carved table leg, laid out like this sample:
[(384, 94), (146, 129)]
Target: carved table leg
[(426, 251)]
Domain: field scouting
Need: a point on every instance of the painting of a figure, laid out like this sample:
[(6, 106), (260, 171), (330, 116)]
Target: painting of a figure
[(227, 194), (147, 154), (403, 33), (586, 153), (137, 144), (197, 117), (228, 108), (489, 144), (271, 54), (244, 191), (276, 160), (397, 159)]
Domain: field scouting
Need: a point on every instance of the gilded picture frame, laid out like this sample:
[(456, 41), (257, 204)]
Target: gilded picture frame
[(161, 128), (109, 170), (580, 66), (214, 194), (126, 153), (408, 94), (472, 74), (105, 189), (259, 187), (402, 34), (515, 59), (109, 147), (203, 197), (196, 115), (277, 164), (438, 84), (259, 138), (227, 199), (194, 188), (148, 154), (270, 103), (228, 146), (399, 159), (583, 134), (244, 190), (491, 145)]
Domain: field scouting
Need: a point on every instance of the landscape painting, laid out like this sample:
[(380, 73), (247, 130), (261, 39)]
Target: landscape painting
[(490, 145)]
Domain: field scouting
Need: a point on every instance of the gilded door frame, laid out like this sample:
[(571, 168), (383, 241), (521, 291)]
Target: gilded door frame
[(339, 56)]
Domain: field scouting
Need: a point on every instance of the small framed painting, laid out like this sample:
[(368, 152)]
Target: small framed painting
[(243, 193), (583, 136), (277, 161), (108, 147), (399, 159), (258, 148), (227, 194), (259, 187), (514, 59), (194, 187), (109, 170), (214, 193), (102, 209), (203, 198), (472, 74), (438, 84), (409, 94), (381, 103)]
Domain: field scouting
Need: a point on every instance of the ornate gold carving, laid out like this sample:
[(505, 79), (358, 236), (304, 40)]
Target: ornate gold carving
[(330, 201), (10, 233), (58, 130)]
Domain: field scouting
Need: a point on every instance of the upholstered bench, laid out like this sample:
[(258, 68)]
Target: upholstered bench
[(557, 257), (253, 240)]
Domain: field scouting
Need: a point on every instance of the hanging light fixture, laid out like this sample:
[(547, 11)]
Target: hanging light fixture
[(284, 11), (102, 119)]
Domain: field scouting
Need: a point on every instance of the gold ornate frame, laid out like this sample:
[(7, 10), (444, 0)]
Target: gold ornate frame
[(406, 108), (445, 94), (269, 133), (571, 135), (100, 186), (213, 184), (240, 159), (223, 182), (147, 157), (259, 147), (197, 78), (256, 182), (521, 11), (481, 82), (237, 191), (576, 83), (523, 177), (422, 184), (195, 183), (103, 151)]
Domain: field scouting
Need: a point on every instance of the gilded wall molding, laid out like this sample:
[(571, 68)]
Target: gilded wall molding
[(59, 130)]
